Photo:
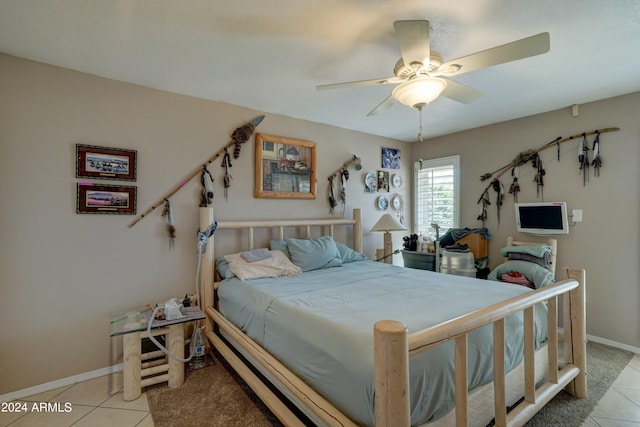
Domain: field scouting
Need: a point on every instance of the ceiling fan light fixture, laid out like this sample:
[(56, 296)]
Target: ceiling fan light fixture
[(419, 91)]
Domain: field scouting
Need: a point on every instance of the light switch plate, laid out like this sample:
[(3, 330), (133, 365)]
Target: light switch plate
[(577, 215)]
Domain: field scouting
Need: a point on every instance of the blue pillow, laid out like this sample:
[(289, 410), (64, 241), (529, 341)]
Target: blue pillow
[(222, 267), (313, 254), (349, 255), (280, 245)]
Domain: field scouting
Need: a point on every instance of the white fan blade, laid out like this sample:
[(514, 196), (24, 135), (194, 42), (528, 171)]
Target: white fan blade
[(382, 81), (461, 93), (520, 49), (413, 39), (383, 106)]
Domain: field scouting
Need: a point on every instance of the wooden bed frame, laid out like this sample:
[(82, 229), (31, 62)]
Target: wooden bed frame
[(394, 345)]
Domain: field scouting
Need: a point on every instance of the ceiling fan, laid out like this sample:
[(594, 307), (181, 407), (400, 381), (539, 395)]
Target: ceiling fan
[(420, 73)]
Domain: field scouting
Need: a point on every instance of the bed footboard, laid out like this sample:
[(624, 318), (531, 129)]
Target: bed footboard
[(393, 346)]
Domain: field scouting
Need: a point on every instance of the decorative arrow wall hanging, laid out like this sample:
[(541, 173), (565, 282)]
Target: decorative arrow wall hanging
[(533, 157), (238, 137)]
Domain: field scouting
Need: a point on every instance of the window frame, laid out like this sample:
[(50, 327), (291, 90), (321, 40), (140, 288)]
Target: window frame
[(434, 163)]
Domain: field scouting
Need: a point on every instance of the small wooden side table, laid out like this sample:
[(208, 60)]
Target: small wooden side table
[(145, 369)]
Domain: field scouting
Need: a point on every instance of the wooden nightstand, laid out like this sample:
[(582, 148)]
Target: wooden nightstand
[(145, 369)]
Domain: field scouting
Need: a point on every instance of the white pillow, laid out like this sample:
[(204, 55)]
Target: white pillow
[(275, 266)]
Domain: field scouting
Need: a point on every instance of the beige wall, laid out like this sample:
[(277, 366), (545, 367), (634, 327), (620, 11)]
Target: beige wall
[(62, 273), (606, 242)]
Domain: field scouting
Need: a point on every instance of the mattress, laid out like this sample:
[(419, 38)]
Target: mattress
[(320, 325)]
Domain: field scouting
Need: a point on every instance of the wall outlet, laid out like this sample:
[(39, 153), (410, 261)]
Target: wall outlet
[(577, 215)]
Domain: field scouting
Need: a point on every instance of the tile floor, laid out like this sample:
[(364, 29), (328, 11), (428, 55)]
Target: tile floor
[(620, 406), (99, 402)]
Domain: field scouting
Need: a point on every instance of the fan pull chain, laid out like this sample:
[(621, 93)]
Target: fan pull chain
[(420, 122)]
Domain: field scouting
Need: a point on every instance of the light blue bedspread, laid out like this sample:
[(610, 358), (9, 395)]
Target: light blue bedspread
[(320, 324)]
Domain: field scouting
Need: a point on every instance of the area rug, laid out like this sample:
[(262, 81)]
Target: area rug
[(217, 396), (211, 396)]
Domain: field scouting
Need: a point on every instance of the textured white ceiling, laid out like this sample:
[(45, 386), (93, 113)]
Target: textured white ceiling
[(270, 55)]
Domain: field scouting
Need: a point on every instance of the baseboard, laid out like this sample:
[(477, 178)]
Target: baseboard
[(41, 388), (615, 344)]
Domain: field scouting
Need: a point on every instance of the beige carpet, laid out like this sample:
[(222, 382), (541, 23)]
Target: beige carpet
[(211, 396), (216, 396)]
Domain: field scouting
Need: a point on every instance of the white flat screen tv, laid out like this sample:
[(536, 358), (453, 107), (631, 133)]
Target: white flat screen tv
[(542, 218)]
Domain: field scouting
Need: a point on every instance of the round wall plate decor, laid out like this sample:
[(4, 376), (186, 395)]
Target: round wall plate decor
[(370, 182), (396, 202), (383, 203), (396, 180)]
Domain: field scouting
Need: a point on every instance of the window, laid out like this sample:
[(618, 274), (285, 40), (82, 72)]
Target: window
[(437, 194)]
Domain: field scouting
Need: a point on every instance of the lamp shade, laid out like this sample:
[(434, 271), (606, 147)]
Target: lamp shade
[(388, 223), (419, 91)]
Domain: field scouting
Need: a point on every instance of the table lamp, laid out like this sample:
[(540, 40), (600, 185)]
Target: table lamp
[(388, 223)]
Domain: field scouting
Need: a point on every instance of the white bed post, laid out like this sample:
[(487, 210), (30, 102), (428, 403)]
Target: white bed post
[(578, 342), (391, 374), (207, 267)]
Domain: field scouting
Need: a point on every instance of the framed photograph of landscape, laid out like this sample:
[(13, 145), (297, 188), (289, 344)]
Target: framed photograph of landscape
[(105, 163), (106, 199)]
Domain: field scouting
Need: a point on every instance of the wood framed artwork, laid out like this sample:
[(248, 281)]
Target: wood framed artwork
[(285, 168), (105, 199), (105, 163)]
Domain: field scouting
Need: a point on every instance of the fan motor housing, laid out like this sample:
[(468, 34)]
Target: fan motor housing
[(404, 72)]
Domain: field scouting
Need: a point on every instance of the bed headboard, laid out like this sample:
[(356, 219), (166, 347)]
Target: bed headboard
[(325, 224), (326, 227), (550, 242)]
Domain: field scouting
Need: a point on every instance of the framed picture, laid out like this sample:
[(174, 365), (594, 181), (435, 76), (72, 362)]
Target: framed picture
[(285, 168), (390, 158), (106, 199), (383, 181), (105, 163)]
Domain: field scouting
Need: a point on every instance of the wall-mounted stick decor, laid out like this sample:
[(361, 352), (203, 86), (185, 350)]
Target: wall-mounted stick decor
[(238, 137), (533, 157), (167, 213), (343, 174)]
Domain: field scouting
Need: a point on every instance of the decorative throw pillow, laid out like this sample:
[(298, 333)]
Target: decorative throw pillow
[(313, 254), (256, 255)]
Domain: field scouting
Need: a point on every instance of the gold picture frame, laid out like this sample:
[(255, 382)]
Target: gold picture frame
[(285, 168)]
